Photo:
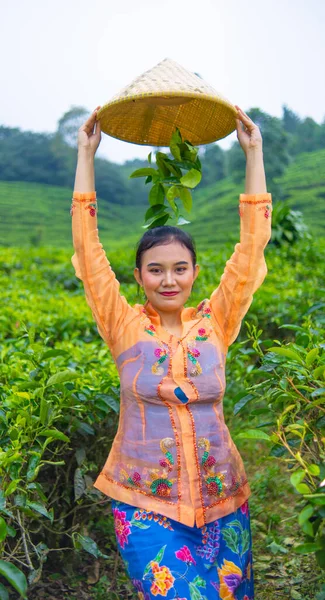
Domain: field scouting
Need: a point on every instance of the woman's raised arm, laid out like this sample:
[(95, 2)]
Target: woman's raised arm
[(246, 269), (110, 310)]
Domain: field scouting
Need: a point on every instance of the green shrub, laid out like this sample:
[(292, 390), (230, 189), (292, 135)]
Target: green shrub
[(288, 393)]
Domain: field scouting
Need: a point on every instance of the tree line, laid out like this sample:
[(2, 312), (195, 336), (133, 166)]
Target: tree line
[(50, 158)]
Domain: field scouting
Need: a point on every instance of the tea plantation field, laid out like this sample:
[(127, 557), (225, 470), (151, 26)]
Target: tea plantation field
[(59, 405), (37, 214)]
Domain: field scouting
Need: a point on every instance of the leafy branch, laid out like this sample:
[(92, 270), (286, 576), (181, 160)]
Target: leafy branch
[(169, 183)]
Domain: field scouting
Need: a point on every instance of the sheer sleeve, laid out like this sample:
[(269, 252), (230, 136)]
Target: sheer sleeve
[(245, 271), (110, 310)]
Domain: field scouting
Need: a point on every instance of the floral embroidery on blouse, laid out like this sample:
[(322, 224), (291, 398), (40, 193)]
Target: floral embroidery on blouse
[(92, 206), (150, 329), (214, 481), (160, 484), (193, 352), (204, 310), (161, 354)]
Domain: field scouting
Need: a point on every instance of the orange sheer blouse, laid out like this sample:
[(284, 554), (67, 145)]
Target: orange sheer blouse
[(172, 452)]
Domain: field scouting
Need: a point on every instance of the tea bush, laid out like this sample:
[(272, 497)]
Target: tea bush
[(59, 403)]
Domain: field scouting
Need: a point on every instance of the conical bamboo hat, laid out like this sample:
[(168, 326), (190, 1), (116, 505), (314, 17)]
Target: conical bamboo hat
[(148, 110)]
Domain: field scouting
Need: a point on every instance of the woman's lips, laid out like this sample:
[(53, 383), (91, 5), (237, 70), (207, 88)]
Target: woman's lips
[(169, 293)]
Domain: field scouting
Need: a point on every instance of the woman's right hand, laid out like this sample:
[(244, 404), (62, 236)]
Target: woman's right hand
[(89, 134)]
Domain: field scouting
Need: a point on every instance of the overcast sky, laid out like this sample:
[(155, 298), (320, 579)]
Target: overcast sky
[(81, 52)]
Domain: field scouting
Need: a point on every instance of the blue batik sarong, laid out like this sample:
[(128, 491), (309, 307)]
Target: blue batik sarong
[(166, 559)]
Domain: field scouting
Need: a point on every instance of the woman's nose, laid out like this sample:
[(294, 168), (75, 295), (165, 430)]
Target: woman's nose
[(168, 278)]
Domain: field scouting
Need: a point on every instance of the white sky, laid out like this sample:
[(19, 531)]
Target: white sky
[(60, 53)]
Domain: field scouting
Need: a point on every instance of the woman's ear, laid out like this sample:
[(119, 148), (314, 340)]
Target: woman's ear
[(196, 271), (137, 276)]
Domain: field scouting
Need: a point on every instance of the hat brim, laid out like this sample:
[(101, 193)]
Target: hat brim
[(150, 119)]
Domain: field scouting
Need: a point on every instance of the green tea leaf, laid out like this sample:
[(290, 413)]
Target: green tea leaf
[(242, 402), (3, 529), (154, 210), (144, 172), (254, 434), (186, 197), (62, 377), (39, 508), (302, 488), (173, 192), (318, 392), (162, 164), (311, 356), (305, 514), (191, 179), (14, 576), (286, 352), (176, 139), (156, 194), (307, 548), (297, 477), (159, 222)]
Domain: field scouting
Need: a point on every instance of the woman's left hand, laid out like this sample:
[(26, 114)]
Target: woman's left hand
[(250, 137)]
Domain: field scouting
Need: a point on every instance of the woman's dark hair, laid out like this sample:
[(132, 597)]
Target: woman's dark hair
[(163, 235)]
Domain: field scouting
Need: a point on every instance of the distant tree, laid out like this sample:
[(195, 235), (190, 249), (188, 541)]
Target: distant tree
[(70, 122), (290, 120), (213, 164), (308, 136)]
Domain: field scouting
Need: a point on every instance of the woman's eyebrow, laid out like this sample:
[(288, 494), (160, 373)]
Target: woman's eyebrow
[(155, 264)]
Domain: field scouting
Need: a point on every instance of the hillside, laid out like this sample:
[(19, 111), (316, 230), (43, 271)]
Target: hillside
[(39, 214)]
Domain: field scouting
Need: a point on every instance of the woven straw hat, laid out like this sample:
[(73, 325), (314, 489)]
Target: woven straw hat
[(168, 96)]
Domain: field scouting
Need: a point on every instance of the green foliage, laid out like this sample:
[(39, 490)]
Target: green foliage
[(170, 183), (287, 225), (59, 413), (289, 393)]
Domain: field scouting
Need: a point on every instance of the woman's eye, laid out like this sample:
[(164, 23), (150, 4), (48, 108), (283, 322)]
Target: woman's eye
[(181, 269)]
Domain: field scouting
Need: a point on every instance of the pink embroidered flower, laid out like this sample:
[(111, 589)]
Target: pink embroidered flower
[(158, 352), (201, 331), (121, 525), (244, 508), (92, 212), (185, 555), (207, 310), (163, 462), (210, 461), (267, 214), (212, 488), (195, 352), (151, 327), (136, 477), (162, 489)]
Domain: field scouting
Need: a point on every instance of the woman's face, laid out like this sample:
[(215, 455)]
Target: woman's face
[(167, 276)]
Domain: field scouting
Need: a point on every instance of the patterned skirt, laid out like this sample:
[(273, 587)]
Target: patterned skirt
[(166, 559)]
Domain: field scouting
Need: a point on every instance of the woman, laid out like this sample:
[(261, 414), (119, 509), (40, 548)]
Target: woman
[(177, 482)]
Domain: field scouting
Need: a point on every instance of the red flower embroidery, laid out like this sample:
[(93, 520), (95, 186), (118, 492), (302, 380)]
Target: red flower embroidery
[(210, 461), (92, 212), (185, 555), (201, 331)]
